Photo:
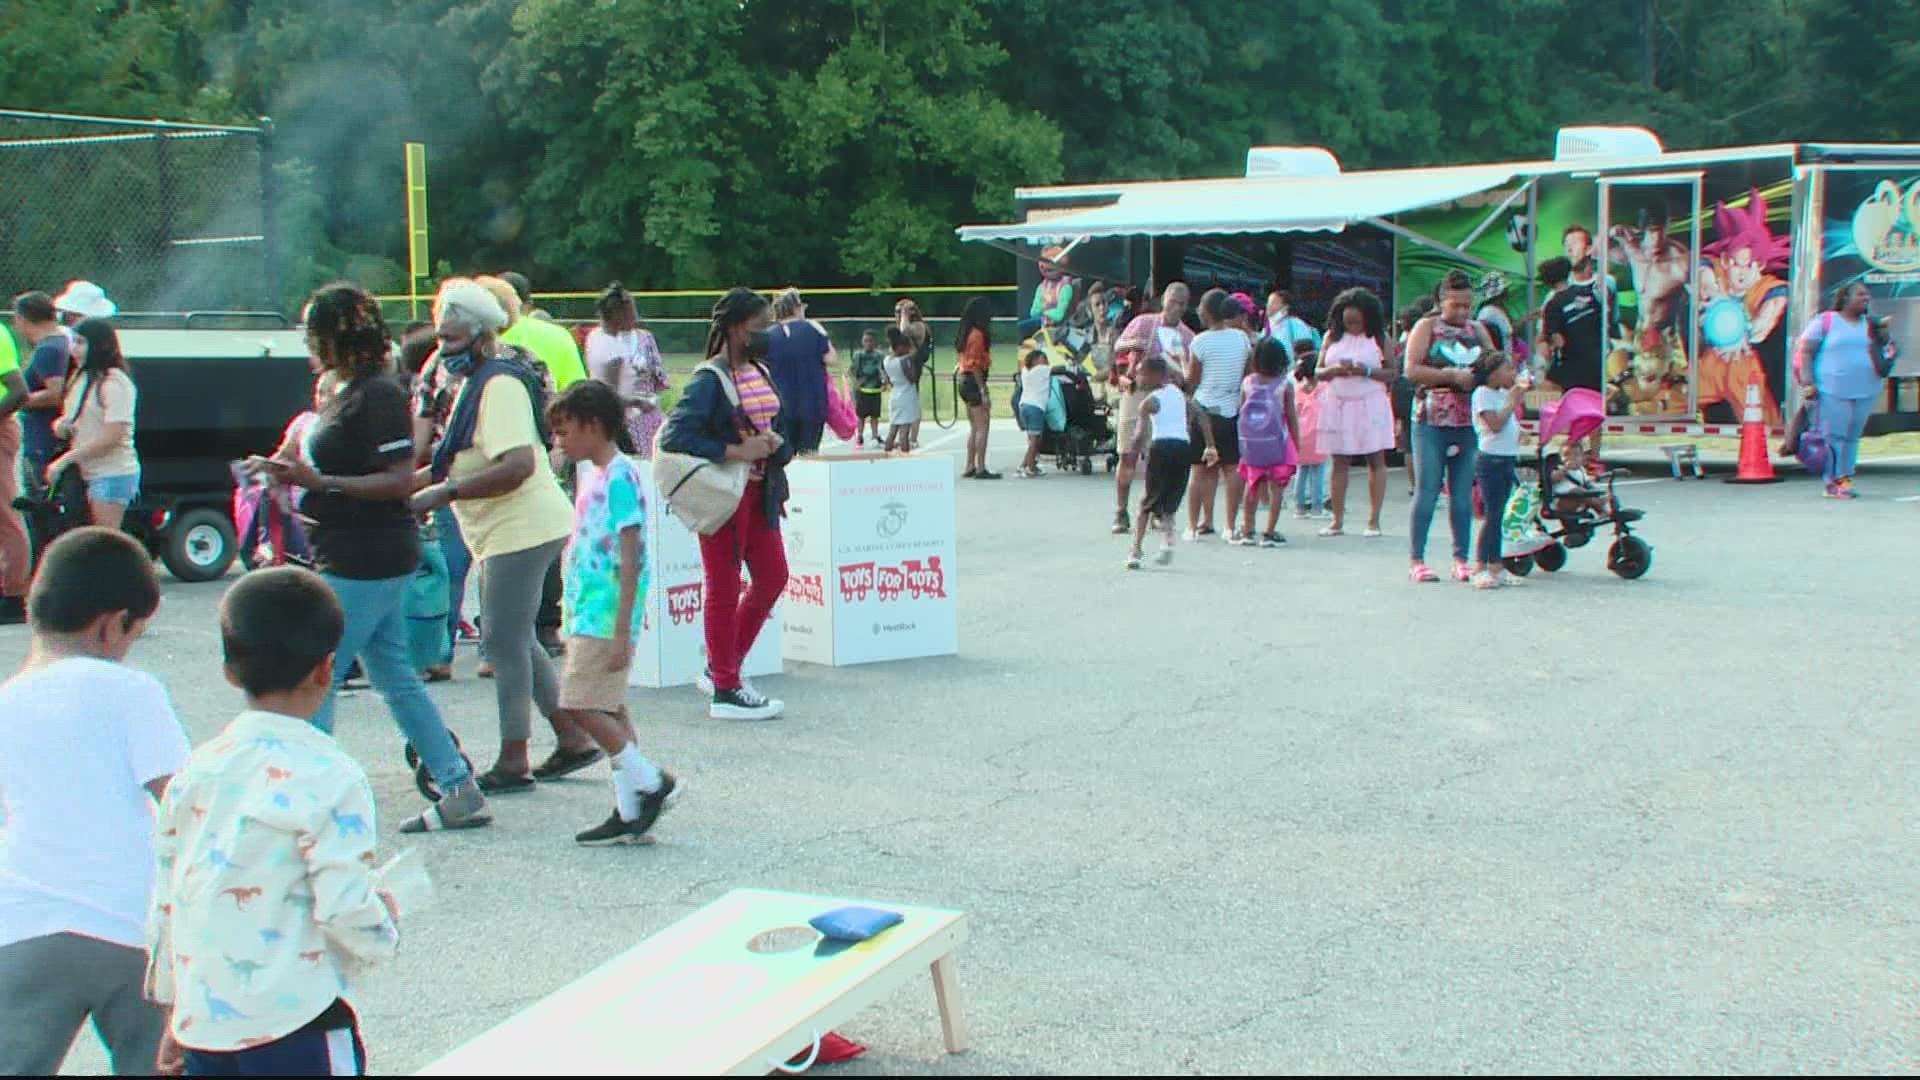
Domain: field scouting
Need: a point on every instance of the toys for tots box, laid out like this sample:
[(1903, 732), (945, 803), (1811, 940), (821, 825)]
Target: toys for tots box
[(672, 649), (870, 551)]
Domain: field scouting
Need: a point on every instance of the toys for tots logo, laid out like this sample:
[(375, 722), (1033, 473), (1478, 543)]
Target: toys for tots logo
[(914, 579), (684, 603), (809, 589)]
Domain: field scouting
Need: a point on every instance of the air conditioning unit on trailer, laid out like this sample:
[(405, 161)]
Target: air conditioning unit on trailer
[(1577, 143), (1291, 161)]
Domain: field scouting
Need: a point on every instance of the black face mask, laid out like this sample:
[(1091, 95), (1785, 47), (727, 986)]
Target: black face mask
[(758, 342)]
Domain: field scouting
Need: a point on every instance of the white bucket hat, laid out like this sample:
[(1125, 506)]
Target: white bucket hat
[(86, 299)]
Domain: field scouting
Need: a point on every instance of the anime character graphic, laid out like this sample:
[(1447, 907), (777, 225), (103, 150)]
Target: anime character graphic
[(1648, 368), (1743, 304)]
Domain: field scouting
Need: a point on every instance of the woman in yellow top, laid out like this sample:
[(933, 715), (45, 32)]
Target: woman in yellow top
[(490, 468)]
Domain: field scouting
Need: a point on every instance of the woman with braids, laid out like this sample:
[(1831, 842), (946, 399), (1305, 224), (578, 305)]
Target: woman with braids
[(357, 476), (1356, 407), (800, 358), (738, 417), (973, 344), (490, 467), (1441, 352), (625, 357)]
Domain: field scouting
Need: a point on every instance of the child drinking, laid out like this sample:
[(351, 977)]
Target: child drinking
[(1496, 405), (1036, 387), (903, 376), (869, 374), (1310, 492), (1167, 420), (606, 586), (1269, 432)]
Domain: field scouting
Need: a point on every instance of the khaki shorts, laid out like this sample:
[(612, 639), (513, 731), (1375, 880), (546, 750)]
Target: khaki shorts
[(592, 681), (1129, 420)]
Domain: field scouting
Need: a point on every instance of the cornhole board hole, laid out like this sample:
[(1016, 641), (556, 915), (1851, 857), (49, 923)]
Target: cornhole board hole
[(672, 650), (871, 559), (735, 989)]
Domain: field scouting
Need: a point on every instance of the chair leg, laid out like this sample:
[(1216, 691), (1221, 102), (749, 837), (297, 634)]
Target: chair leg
[(946, 993)]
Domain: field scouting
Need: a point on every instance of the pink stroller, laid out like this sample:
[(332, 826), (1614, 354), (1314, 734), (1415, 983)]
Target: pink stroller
[(1577, 415)]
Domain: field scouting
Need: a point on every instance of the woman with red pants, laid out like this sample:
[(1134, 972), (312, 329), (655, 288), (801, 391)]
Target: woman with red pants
[(739, 423)]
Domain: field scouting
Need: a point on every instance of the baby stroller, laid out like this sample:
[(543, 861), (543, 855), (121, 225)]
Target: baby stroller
[(1578, 414)]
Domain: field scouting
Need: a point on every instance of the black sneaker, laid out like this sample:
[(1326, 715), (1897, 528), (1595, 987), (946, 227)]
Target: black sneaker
[(655, 803), (13, 611), (744, 704), (1122, 523), (614, 831), (1273, 540)]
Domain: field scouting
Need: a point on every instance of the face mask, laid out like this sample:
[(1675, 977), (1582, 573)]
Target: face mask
[(758, 342), (457, 364)]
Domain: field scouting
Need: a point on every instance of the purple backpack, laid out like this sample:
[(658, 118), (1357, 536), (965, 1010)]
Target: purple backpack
[(1263, 428)]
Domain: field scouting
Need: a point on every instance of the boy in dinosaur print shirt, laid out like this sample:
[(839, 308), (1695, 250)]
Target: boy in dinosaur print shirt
[(267, 898)]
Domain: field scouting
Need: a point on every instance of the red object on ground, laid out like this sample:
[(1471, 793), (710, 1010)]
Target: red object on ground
[(834, 1049), (1756, 467)]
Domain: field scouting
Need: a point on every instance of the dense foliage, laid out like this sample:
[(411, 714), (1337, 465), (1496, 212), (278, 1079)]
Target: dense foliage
[(695, 142)]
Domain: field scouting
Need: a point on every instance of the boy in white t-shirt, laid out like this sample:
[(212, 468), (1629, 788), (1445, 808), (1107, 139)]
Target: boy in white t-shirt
[(1036, 388), (1496, 419), (87, 745)]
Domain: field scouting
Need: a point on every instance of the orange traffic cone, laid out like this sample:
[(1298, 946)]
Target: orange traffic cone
[(1755, 466)]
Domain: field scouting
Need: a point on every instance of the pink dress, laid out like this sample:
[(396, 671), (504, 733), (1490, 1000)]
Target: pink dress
[(630, 363), (1356, 414), (1307, 403)]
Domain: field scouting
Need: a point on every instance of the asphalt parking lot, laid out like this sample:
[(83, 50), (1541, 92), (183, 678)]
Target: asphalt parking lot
[(1272, 811)]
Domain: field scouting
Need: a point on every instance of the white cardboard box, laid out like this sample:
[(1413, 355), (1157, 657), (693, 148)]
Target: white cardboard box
[(672, 649), (871, 552)]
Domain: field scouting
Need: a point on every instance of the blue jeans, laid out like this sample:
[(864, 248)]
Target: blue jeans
[(376, 633), (1310, 490), (459, 564), (1430, 446), (1497, 476), (1843, 420)]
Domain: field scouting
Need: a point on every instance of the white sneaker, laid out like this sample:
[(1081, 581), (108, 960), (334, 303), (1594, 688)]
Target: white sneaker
[(1191, 535), (744, 704)]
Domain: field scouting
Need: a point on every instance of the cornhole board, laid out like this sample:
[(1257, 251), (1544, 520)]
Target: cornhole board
[(871, 559), (672, 650), (697, 999)]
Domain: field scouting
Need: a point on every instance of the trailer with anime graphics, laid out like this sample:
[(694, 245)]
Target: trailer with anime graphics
[(1717, 258)]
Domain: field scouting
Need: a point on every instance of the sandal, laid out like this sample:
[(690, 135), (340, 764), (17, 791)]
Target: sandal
[(1461, 571), (1372, 532), (566, 762), (495, 782), (1421, 573), (1333, 530)]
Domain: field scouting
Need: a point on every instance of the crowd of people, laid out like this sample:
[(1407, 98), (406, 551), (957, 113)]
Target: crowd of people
[(216, 935), (175, 933)]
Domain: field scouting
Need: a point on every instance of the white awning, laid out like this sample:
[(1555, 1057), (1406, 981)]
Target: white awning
[(1256, 205)]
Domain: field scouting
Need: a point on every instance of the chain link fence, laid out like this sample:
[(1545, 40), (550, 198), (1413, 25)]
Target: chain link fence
[(165, 217)]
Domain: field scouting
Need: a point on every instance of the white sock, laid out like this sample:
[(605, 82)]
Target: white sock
[(633, 774)]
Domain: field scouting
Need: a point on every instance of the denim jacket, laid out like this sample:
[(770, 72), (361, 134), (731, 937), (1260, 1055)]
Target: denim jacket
[(705, 421)]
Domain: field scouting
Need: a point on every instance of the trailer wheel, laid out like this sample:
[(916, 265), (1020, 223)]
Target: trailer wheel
[(1520, 565), (1550, 558), (200, 545)]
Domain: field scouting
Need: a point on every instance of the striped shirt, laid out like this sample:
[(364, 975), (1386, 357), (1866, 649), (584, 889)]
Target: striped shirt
[(758, 401), (1223, 363)]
